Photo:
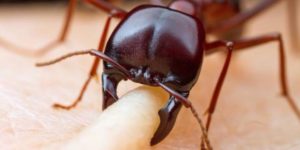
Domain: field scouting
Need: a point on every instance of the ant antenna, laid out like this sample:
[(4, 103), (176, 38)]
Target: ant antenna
[(188, 104), (84, 52)]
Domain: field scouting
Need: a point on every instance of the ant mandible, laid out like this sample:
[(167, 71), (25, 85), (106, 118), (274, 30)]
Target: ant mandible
[(164, 46)]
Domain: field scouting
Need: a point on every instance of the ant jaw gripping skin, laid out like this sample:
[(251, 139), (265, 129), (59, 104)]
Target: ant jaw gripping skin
[(165, 126)]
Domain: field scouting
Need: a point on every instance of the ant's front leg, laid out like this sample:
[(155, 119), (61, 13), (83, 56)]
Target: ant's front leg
[(114, 12)]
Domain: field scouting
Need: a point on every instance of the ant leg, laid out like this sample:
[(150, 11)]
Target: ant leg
[(247, 43), (68, 19), (78, 99), (49, 46), (105, 6), (107, 84), (210, 48), (108, 8), (65, 29), (293, 23), (241, 18), (99, 55), (110, 82), (93, 72)]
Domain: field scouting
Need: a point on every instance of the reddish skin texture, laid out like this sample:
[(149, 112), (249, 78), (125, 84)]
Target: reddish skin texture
[(149, 52)]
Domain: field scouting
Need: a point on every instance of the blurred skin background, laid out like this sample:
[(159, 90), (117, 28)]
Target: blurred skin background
[(251, 113)]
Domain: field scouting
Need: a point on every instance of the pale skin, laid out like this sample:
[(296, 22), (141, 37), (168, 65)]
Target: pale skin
[(134, 115), (251, 112)]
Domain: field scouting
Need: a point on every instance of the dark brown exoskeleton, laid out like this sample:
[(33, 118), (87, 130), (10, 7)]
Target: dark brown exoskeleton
[(164, 46)]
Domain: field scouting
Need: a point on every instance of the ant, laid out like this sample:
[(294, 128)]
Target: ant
[(164, 46)]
